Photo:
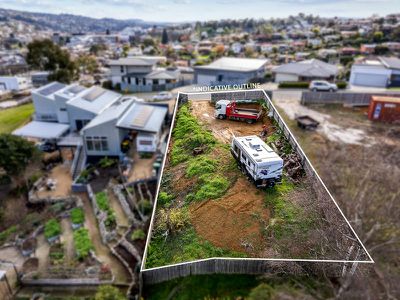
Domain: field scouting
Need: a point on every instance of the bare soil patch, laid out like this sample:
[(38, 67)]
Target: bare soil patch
[(60, 174), (224, 129), (235, 221)]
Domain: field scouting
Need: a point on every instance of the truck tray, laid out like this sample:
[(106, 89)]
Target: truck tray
[(307, 123)]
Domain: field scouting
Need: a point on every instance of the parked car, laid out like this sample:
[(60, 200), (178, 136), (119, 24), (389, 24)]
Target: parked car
[(162, 96), (319, 86)]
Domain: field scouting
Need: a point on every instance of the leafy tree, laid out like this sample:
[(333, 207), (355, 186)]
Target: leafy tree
[(96, 48), (88, 64), (378, 36), (108, 292), (45, 55), (381, 50), (15, 153), (164, 38)]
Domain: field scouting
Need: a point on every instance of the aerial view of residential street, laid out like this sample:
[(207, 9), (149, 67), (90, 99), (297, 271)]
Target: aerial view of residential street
[(211, 150)]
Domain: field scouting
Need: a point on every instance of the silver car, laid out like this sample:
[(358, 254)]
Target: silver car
[(321, 85)]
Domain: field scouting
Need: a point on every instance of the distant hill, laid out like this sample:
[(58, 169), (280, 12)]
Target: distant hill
[(70, 23)]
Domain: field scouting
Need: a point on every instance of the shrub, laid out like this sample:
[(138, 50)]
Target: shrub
[(110, 221), (341, 84), (200, 166), (164, 199), (174, 219), (138, 234), (77, 215), (106, 162), (261, 292), (294, 85), (145, 206), (211, 188), (52, 228), (82, 242), (102, 201)]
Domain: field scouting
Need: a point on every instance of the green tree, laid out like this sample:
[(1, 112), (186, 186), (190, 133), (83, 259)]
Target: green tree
[(87, 64), (108, 292), (45, 55), (378, 36), (164, 38), (15, 153)]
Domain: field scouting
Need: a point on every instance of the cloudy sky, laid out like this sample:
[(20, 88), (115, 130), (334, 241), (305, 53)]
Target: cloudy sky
[(192, 10)]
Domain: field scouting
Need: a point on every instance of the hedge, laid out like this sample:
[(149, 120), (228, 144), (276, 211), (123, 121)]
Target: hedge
[(294, 85)]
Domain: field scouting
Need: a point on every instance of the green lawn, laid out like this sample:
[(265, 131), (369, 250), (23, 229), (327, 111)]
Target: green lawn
[(12, 118)]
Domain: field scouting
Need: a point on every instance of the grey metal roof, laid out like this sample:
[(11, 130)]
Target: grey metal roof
[(95, 100), (112, 112), (132, 61), (236, 64), (308, 68), (163, 74), (143, 117), (390, 62), (42, 130)]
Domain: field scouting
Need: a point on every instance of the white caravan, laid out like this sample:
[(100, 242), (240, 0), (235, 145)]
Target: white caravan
[(257, 160)]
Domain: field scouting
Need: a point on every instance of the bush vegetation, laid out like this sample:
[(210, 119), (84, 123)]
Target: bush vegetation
[(103, 204), (83, 244), (210, 188), (77, 215), (52, 228), (138, 234), (294, 85), (200, 165), (5, 234)]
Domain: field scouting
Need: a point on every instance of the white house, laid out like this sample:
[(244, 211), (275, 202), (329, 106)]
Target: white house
[(13, 83), (96, 118), (376, 72)]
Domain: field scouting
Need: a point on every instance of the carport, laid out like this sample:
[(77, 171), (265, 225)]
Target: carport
[(42, 130)]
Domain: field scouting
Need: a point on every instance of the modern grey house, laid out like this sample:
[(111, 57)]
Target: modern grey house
[(307, 70), (141, 74), (230, 70), (94, 118)]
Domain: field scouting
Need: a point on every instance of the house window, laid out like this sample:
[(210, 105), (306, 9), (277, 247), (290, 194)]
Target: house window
[(155, 81), (167, 80), (144, 81), (137, 81), (220, 77), (96, 143), (122, 69), (63, 109), (146, 143), (129, 80)]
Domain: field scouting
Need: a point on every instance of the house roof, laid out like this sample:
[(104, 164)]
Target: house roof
[(143, 117), (163, 74), (95, 100), (42, 130), (111, 113), (236, 64), (50, 89), (390, 62), (132, 61), (308, 68)]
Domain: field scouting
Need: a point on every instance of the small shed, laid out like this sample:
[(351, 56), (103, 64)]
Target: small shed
[(384, 109)]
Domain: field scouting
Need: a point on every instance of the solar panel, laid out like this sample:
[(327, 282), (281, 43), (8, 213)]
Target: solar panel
[(95, 93), (141, 118), (76, 89), (52, 89)]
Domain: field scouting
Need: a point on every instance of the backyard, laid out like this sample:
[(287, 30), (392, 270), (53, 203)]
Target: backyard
[(207, 208)]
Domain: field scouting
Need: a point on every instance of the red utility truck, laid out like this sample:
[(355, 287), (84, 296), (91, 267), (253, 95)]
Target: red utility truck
[(226, 109)]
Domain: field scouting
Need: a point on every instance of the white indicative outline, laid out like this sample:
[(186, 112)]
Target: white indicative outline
[(142, 267)]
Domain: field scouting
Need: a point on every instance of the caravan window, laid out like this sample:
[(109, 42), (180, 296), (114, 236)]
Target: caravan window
[(145, 143)]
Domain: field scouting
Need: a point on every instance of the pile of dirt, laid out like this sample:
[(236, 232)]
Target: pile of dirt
[(235, 221)]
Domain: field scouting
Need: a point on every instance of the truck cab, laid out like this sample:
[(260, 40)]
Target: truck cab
[(220, 109), (257, 160)]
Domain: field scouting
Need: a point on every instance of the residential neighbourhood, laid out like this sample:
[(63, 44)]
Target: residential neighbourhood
[(112, 163)]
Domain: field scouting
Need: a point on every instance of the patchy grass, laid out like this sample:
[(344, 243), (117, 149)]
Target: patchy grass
[(52, 228), (5, 234), (102, 201), (12, 118), (200, 165), (209, 188), (288, 218), (182, 247)]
